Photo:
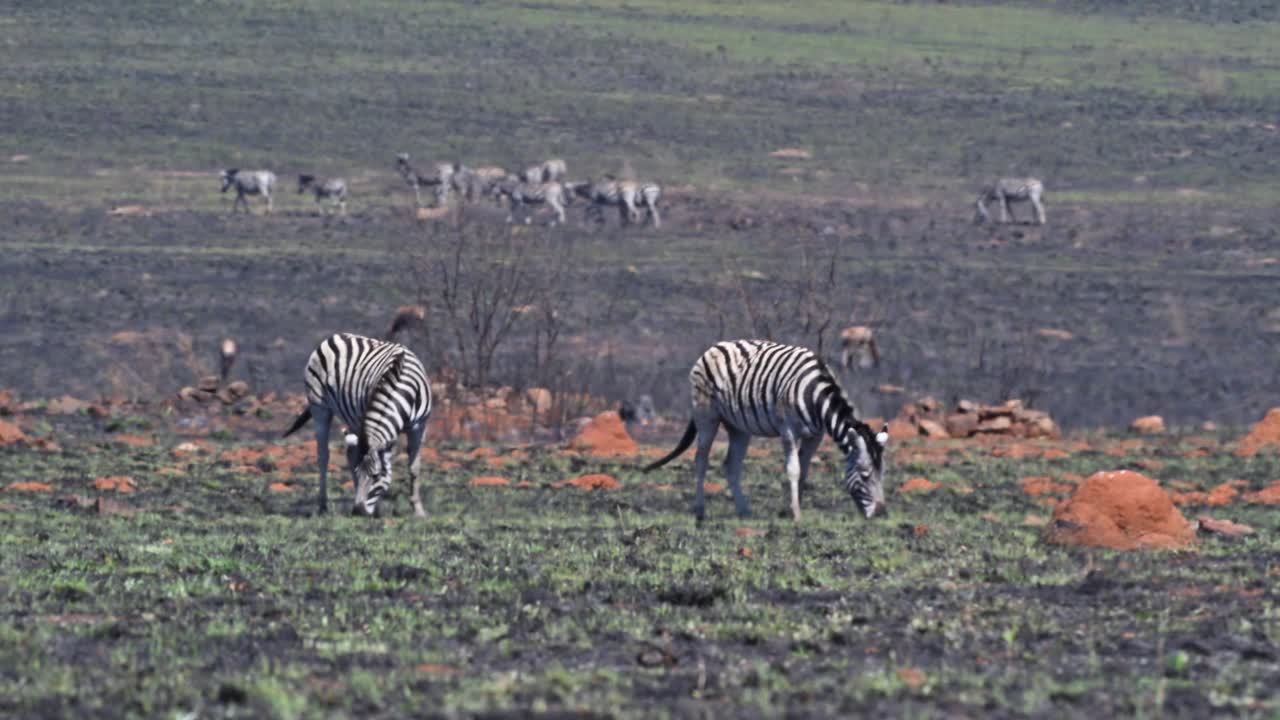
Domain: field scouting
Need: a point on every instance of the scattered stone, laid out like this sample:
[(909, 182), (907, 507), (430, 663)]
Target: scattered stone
[(933, 429), (131, 440), (1225, 528), (66, 405), (117, 483), (1122, 510), (281, 487), (1043, 485), (918, 484), (489, 481), (590, 482), (1148, 425), (208, 383), (1269, 495), (11, 434), (996, 424), (21, 486), (791, 154), (961, 424)]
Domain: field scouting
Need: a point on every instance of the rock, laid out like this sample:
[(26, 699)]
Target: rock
[(1043, 427), (995, 424), (590, 482), (967, 406), (918, 484), (889, 389), (187, 393), (238, 389), (208, 383), (117, 483), (900, 429), (1269, 495), (489, 481), (66, 405), (961, 424), (11, 434), (927, 404), (933, 429), (28, 486), (1148, 425), (1226, 528), (1121, 510), (605, 436)]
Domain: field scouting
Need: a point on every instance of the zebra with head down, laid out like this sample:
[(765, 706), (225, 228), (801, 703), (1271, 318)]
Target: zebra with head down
[(331, 189), (599, 195), (553, 170), (519, 194), (646, 194), (441, 181), (1009, 190)]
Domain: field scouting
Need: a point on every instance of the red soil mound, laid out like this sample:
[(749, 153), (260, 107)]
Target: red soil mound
[(1269, 495), (918, 484), (11, 434), (605, 436), (591, 482), (489, 481), (30, 487), (1122, 510), (119, 483), (1042, 485), (1265, 433), (1220, 495)]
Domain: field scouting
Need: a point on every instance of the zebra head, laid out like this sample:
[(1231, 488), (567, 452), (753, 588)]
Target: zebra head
[(304, 182), (229, 178), (864, 469), (373, 476)]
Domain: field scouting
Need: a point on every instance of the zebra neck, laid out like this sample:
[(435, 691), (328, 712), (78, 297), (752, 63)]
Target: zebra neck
[(839, 417)]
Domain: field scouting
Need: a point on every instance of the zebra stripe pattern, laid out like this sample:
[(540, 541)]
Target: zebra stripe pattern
[(441, 180), (249, 182), (332, 189), (757, 387), (471, 183), (380, 390), (637, 193), (599, 195), (520, 194), (1007, 190), (553, 170)]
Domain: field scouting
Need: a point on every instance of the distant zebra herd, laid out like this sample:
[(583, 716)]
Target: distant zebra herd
[(545, 184)]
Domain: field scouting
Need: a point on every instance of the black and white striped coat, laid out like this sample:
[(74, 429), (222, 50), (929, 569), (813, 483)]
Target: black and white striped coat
[(249, 182), (471, 183), (599, 195), (332, 189), (442, 180), (1009, 190), (380, 390), (519, 194), (637, 194), (553, 170), (757, 387)]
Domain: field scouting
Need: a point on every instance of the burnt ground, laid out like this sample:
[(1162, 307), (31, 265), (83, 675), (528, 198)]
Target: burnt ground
[(1167, 304)]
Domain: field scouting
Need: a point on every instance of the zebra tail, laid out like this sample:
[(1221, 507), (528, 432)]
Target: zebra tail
[(690, 434), (298, 423)]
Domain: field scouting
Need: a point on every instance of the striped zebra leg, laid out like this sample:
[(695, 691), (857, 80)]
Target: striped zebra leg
[(739, 440), (707, 427), (322, 416), (808, 448), (415, 435), (1039, 206)]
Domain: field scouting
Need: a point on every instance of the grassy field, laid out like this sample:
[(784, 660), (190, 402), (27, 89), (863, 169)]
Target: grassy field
[(219, 597), (1151, 290)]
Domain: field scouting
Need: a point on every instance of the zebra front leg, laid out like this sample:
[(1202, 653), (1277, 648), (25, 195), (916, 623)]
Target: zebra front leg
[(414, 446), (653, 215), (738, 442), (1039, 206), (1005, 211), (270, 205), (808, 447), (321, 416), (793, 472)]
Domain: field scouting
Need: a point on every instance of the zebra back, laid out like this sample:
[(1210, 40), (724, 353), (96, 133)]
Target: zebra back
[(375, 386)]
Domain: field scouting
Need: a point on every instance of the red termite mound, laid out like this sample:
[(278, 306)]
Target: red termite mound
[(1122, 510)]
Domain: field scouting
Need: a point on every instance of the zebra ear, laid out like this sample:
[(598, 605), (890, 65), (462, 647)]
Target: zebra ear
[(882, 437), (352, 440)]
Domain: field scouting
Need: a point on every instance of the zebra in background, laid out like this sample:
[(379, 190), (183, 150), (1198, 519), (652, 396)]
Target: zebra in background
[(757, 387), (332, 189), (599, 194), (646, 194), (1007, 190), (380, 390), (472, 183), (249, 182), (521, 193), (553, 170), (442, 180), (859, 341)]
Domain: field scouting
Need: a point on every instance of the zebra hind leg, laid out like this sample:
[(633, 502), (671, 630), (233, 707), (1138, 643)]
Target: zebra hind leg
[(738, 442), (789, 449), (706, 436), (414, 447), (321, 416), (808, 447)]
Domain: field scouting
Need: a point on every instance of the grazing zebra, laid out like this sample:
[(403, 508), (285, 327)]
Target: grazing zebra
[(858, 340), (756, 387), (471, 183), (520, 194), (599, 194), (380, 390), (332, 189), (249, 182), (1007, 190), (553, 170), (646, 194), (442, 180)]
